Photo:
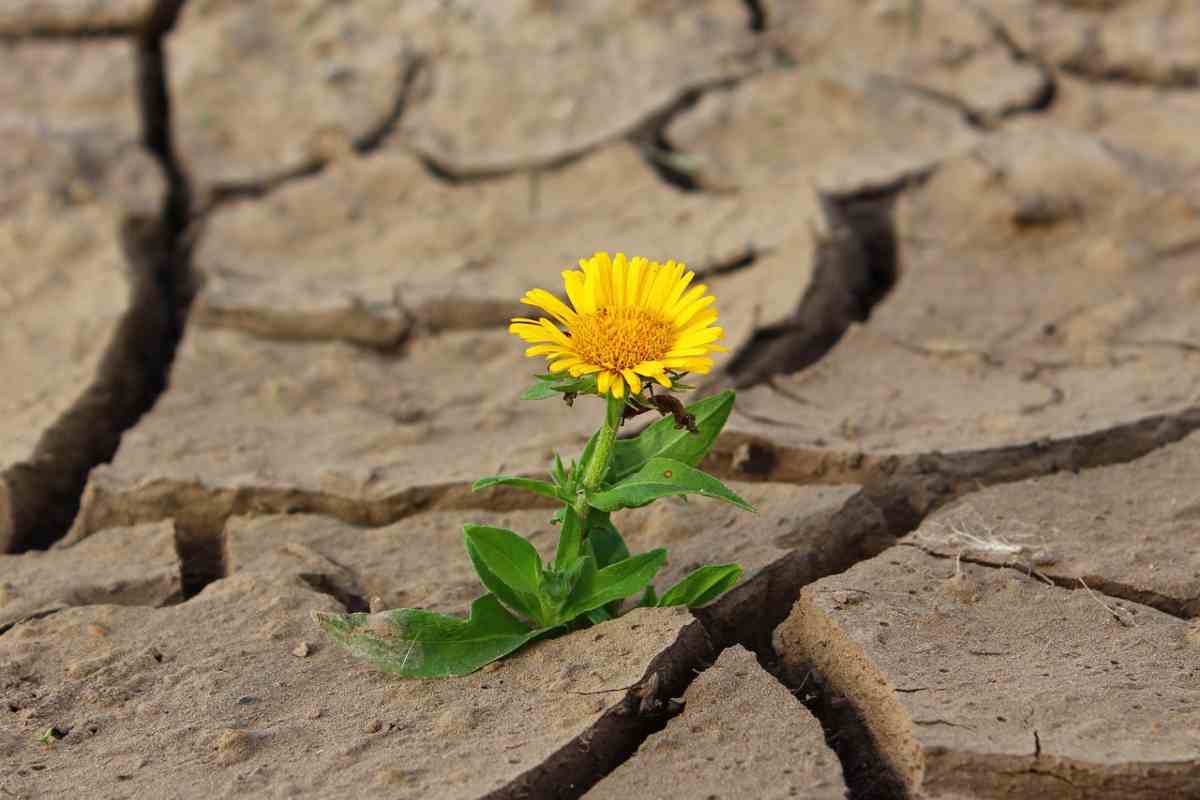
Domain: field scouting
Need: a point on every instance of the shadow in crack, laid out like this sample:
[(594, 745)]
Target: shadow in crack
[(40, 497), (855, 266)]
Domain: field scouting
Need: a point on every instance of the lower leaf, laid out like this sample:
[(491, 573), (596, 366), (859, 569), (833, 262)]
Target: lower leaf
[(702, 586), (421, 644), (596, 588)]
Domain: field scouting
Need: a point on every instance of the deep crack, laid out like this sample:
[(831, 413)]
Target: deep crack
[(43, 493), (578, 766), (855, 267)]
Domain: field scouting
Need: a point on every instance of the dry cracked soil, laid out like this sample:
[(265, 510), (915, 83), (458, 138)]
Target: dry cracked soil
[(255, 265)]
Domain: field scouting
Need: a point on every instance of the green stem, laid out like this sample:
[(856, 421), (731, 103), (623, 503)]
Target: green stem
[(575, 523), (597, 468)]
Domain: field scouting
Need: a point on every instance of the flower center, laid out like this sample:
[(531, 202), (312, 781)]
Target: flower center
[(621, 338)]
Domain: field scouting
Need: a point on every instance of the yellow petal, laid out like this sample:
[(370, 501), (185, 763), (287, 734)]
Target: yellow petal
[(564, 364), (687, 352), (658, 285), (689, 364), (703, 319), (619, 267), (649, 368), (702, 336), (574, 282), (601, 267), (591, 278), (633, 284), (635, 383), (531, 333), (618, 386), (551, 304), (677, 290), (583, 369), (690, 311), (688, 297), (543, 350), (663, 380), (604, 381)]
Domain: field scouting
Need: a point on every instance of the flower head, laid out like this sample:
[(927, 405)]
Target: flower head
[(630, 319)]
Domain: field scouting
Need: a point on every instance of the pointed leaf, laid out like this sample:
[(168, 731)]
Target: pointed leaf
[(528, 484), (558, 473), (557, 585), (420, 644), (608, 546), (507, 565), (539, 391), (664, 440), (584, 458), (615, 582), (663, 477), (570, 539), (702, 586), (550, 385), (598, 615)]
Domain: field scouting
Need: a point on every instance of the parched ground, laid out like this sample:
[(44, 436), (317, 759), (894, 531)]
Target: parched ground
[(255, 265)]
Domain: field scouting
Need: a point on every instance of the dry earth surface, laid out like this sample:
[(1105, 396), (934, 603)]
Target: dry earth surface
[(255, 264)]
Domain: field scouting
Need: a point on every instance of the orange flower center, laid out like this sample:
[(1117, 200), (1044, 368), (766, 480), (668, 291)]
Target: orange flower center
[(621, 338)]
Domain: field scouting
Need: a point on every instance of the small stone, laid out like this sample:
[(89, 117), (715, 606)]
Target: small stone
[(374, 726), (376, 605), (233, 746), (301, 650), (314, 713), (246, 700), (97, 630)]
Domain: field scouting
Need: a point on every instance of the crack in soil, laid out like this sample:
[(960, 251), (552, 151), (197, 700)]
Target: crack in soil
[(758, 15), (646, 134), (365, 143), (201, 511), (360, 326), (40, 497), (854, 268), (647, 708), (931, 479), (5, 628), (69, 30), (867, 774), (1181, 608)]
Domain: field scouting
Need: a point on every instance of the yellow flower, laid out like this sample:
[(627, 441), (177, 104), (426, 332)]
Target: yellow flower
[(631, 319)]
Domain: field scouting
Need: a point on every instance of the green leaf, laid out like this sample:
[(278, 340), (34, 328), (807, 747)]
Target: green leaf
[(558, 473), (550, 384), (596, 588), (664, 440), (507, 565), (539, 391), (420, 644), (570, 539), (608, 546), (663, 477), (702, 586), (649, 598), (557, 585), (598, 615), (584, 458), (528, 484)]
